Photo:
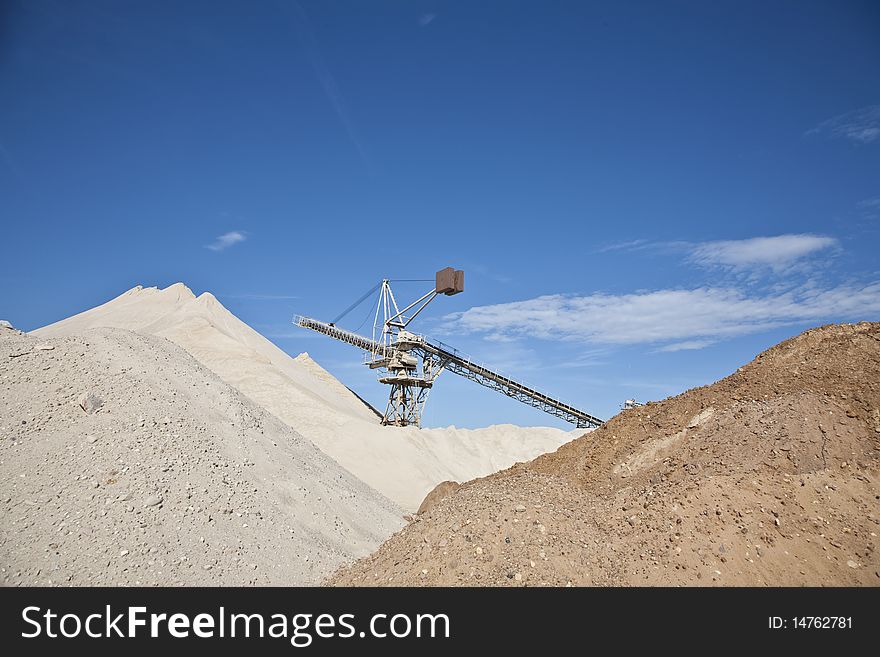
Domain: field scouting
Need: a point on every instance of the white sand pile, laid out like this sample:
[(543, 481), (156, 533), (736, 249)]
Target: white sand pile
[(402, 463), (125, 461)]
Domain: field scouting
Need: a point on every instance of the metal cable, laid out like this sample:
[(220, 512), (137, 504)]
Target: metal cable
[(357, 303)]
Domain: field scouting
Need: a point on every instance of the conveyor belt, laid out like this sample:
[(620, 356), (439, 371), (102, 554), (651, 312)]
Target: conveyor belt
[(451, 360)]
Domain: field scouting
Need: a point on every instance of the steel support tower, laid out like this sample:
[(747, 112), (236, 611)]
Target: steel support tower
[(411, 363)]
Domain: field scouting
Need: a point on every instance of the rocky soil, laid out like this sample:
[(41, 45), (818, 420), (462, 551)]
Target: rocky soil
[(402, 463), (767, 477), (123, 461)]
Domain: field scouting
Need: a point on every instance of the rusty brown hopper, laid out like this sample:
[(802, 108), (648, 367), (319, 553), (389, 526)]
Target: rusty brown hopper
[(449, 281), (445, 281)]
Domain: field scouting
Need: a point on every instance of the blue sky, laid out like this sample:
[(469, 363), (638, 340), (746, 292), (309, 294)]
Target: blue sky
[(643, 195)]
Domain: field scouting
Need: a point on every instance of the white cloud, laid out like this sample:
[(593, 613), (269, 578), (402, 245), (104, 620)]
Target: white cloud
[(426, 19), (777, 253), (226, 240), (686, 317), (869, 208), (631, 245), (687, 345), (861, 125)]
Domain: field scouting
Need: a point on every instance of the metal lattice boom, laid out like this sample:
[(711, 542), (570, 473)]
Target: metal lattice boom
[(436, 357)]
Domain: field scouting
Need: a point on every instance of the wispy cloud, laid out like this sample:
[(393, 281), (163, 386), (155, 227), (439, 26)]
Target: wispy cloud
[(861, 125), (687, 345), (312, 50), (512, 358), (224, 241), (426, 19), (869, 208), (777, 253), (692, 318), (585, 358), (631, 245)]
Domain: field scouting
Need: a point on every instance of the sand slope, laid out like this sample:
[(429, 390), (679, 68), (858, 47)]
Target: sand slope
[(767, 477), (402, 463), (177, 478)]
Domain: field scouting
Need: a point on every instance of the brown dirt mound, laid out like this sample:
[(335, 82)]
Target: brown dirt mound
[(766, 477), (441, 490)]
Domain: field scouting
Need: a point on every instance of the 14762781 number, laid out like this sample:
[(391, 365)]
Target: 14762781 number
[(810, 622)]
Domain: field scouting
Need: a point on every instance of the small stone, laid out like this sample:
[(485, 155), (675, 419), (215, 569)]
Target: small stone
[(123, 553), (207, 566), (517, 577), (852, 564), (92, 440), (701, 417), (520, 508), (90, 402), (152, 500), (43, 347), (479, 550)]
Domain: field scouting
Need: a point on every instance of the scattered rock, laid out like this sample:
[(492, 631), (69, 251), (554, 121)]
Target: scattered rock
[(735, 475), (90, 402), (43, 347), (153, 500), (700, 417), (434, 497)]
